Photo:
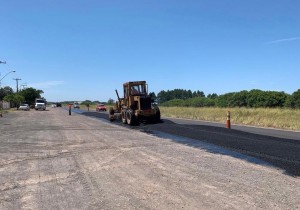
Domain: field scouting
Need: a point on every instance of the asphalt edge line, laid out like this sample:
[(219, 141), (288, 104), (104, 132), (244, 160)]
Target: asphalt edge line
[(238, 125)]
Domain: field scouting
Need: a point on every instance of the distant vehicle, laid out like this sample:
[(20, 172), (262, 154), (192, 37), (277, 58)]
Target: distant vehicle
[(58, 104), (40, 103), (100, 107), (53, 105), (76, 105), (24, 107)]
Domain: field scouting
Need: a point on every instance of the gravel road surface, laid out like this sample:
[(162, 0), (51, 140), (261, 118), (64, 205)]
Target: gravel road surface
[(50, 160), (278, 147)]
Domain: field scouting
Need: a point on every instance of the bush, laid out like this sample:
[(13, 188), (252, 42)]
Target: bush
[(296, 98), (174, 102)]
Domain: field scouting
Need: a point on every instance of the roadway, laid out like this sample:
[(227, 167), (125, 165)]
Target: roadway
[(277, 147), (50, 160)]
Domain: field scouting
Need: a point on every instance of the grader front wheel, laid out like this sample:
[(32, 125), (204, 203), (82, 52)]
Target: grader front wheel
[(123, 114), (130, 117)]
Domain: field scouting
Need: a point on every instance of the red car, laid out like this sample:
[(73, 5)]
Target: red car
[(100, 107)]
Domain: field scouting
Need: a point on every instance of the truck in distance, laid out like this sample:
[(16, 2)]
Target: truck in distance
[(40, 104)]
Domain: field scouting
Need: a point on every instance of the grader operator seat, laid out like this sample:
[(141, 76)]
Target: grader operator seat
[(134, 91)]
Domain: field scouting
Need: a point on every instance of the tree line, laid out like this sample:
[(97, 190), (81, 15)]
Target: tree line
[(27, 95), (253, 99)]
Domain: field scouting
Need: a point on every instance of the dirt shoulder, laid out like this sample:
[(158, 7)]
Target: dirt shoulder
[(50, 160)]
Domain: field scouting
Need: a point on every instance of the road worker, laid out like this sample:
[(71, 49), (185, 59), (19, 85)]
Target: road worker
[(70, 107)]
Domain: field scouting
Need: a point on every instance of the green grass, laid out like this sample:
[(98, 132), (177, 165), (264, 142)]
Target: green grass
[(263, 117), (91, 108)]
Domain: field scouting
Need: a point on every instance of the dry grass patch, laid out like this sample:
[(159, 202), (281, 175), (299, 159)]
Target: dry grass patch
[(264, 117)]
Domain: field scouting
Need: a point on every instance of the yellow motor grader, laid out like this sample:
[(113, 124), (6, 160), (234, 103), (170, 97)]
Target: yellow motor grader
[(136, 105)]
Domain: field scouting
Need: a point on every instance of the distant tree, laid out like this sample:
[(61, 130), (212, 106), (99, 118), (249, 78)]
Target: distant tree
[(259, 98), (168, 95), (275, 99), (189, 94), (224, 100), (253, 98), (212, 96), (198, 93), (30, 94), (15, 99), (239, 99), (296, 99), (153, 96), (289, 102), (87, 102), (110, 101), (162, 97), (5, 91)]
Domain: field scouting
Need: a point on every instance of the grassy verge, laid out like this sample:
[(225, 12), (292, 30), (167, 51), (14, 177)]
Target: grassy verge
[(263, 117), (91, 108)]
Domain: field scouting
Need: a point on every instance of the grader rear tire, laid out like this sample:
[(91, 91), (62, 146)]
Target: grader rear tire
[(111, 111), (157, 117), (111, 114)]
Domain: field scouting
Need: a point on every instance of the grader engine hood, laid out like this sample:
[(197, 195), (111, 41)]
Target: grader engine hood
[(144, 102)]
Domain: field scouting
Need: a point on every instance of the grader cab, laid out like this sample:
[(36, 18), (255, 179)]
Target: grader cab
[(136, 105)]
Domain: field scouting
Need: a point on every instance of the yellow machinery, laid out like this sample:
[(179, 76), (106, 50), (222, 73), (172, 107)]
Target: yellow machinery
[(136, 105)]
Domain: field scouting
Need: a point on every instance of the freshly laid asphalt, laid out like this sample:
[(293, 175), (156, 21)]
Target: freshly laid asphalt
[(277, 147)]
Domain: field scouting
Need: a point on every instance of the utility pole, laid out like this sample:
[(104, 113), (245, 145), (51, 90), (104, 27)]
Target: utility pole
[(17, 80)]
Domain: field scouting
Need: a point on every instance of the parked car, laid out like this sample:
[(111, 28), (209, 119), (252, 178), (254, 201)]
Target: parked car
[(58, 104), (24, 107), (100, 107)]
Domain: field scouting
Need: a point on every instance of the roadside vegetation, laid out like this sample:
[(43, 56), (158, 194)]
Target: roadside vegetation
[(250, 99), (256, 107), (27, 96), (281, 118)]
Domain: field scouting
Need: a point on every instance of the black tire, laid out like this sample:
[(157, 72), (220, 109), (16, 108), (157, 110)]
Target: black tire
[(111, 111), (157, 116), (111, 114), (123, 114), (130, 117)]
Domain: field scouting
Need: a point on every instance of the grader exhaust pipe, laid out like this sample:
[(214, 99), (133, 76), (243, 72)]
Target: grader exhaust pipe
[(118, 96)]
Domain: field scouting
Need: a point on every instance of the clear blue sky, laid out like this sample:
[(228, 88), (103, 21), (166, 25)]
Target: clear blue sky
[(85, 49)]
